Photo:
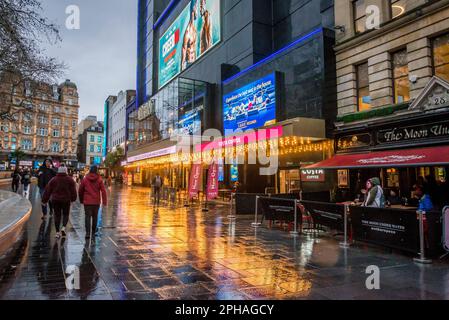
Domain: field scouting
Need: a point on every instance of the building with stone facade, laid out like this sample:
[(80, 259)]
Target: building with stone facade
[(392, 93), (90, 144), (42, 121)]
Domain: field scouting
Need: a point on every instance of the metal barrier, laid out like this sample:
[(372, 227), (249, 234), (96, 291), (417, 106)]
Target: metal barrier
[(232, 216), (445, 237), (256, 222), (345, 244), (422, 245)]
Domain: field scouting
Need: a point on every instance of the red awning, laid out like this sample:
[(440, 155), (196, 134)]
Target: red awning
[(388, 159)]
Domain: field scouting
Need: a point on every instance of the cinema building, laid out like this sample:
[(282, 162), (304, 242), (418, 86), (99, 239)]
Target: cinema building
[(393, 97), (233, 65)]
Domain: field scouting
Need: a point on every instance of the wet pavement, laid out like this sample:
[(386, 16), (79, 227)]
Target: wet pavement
[(172, 252)]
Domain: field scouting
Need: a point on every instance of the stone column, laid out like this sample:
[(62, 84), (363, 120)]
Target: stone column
[(419, 55), (380, 80)]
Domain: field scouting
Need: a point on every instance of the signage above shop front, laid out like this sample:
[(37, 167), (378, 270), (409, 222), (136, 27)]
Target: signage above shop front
[(313, 175), (153, 154), (354, 141), (414, 133), (229, 142)]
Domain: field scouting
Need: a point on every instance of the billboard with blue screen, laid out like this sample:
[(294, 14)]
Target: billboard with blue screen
[(252, 106)]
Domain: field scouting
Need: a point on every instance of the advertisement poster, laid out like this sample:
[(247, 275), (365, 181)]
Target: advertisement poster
[(195, 180), (212, 182), (234, 173), (190, 122), (192, 34), (251, 107), (343, 179)]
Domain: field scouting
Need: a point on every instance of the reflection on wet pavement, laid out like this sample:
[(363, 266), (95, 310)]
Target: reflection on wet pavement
[(183, 253)]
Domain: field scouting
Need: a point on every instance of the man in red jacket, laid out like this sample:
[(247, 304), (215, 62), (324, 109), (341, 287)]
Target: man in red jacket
[(61, 191), (92, 194)]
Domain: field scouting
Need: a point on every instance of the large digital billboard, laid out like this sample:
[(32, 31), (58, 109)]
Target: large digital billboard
[(194, 32), (252, 106)]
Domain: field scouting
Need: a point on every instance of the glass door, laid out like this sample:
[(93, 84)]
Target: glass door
[(289, 181)]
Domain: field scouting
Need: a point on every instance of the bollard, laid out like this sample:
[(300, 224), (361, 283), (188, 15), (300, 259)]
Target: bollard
[(256, 224), (231, 212), (345, 244), (295, 232), (422, 255)]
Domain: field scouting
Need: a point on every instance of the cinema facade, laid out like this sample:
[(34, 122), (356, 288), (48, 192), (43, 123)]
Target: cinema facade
[(234, 66)]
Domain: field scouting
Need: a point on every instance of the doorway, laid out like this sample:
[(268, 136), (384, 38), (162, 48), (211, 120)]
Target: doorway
[(289, 181)]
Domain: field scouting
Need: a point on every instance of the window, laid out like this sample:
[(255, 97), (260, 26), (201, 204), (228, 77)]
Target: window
[(363, 95), (91, 148), (56, 109), (43, 120), (92, 138), (55, 133), (73, 123), (27, 117), (43, 107), (440, 48), (100, 139), (98, 149), (401, 84), (56, 121), (27, 144), (27, 130), (399, 7), (43, 132), (359, 10), (4, 128), (55, 147)]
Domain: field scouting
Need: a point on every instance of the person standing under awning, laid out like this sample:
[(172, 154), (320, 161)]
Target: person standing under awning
[(374, 197)]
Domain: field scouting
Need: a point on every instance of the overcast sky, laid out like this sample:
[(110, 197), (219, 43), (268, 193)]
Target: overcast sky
[(101, 56)]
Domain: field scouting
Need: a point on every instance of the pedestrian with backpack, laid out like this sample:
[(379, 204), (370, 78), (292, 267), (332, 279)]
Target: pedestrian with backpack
[(157, 186), (61, 191), (92, 194)]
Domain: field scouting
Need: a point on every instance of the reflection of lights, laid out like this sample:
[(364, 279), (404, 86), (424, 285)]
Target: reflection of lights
[(400, 8)]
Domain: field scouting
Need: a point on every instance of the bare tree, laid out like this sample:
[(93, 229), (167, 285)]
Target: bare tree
[(22, 61)]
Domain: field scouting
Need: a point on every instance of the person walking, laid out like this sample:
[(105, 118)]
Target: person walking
[(61, 191), (45, 174), (92, 193), (374, 196), (26, 181), (157, 186), (15, 183)]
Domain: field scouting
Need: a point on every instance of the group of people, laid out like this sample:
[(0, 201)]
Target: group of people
[(375, 197), (21, 176), (58, 191)]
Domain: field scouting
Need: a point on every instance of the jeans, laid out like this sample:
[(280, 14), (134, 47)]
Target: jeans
[(49, 205), (91, 212), (62, 211)]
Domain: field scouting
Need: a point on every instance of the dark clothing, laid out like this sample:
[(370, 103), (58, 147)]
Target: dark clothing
[(45, 175), (92, 191), (26, 179), (62, 211), (157, 195), (15, 186), (91, 212), (45, 207), (61, 188)]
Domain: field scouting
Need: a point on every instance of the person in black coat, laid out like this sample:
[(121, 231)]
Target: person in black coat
[(45, 174)]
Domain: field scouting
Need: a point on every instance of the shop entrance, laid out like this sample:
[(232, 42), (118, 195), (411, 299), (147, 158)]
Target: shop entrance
[(289, 181)]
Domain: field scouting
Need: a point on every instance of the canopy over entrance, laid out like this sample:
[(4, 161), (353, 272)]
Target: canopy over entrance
[(388, 159)]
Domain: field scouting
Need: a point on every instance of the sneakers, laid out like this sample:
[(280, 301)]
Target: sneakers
[(63, 233)]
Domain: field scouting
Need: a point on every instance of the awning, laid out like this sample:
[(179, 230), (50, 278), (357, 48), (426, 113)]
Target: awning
[(388, 159)]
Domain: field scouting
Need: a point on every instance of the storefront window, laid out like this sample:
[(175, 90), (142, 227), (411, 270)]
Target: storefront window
[(363, 94), (392, 178), (401, 83), (359, 16), (440, 174), (441, 56)]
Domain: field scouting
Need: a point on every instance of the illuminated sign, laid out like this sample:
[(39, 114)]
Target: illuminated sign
[(194, 32), (252, 106), (153, 154), (313, 175)]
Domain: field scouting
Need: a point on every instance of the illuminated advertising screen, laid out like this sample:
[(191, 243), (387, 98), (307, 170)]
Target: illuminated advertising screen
[(194, 32), (252, 106), (190, 122)]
